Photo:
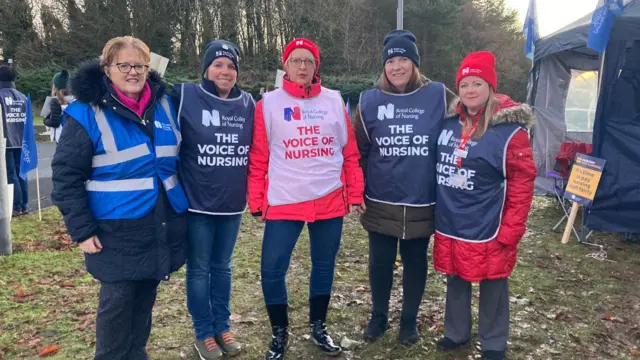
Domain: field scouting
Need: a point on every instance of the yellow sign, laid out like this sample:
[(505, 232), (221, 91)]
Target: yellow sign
[(584, 179)]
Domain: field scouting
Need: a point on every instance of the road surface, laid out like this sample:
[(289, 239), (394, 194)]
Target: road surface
[(45, 154)]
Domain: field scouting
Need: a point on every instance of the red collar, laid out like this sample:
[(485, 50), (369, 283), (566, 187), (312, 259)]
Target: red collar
[(302, 91)]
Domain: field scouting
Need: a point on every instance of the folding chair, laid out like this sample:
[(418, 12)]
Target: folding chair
[(560, 176)]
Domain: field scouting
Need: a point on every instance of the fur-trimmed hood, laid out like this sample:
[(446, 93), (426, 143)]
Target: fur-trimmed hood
[(508, 111), (89, 84)]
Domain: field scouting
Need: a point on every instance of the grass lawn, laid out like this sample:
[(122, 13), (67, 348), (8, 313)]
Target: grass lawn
[(38, 120), (565, 304)]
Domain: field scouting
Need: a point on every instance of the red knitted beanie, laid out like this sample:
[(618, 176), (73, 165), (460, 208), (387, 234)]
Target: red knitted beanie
[(302, 43), (481, 64)]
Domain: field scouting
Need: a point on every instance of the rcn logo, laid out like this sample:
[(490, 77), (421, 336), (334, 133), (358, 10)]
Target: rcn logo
[(386, 111), (8, 101), (161, 126), (467, 71), (292, 113), (210, 118), (444, 137)]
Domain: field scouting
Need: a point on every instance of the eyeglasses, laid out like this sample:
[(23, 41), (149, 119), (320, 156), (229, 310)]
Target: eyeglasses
[(126, 68), (307, 62)]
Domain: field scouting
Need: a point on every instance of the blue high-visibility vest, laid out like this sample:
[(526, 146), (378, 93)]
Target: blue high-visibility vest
[(127, 168)]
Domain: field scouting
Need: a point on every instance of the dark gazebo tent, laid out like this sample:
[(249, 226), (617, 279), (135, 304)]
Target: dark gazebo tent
[(573, 104)]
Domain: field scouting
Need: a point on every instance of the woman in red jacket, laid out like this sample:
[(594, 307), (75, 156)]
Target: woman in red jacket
[(303, 168), (485, 176)]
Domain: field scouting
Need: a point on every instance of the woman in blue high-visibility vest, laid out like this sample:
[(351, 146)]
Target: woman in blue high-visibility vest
[(115, 182)]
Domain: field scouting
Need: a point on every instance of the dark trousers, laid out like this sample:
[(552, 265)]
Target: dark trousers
[(123, 323), (20, 186), (493, 314), (280, 237), (382, 256)]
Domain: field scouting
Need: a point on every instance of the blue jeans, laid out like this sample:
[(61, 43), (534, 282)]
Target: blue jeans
[(280, 237), (20, 186), (212, 239)]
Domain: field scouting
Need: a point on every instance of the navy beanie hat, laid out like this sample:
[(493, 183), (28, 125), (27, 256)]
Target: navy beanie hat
[(400, 43), (7, 73), (220, 48)]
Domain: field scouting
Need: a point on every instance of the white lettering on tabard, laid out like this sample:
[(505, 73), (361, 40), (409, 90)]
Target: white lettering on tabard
[(224, 153), (213, 118), (402, 142), (447, 169), (389, 111)]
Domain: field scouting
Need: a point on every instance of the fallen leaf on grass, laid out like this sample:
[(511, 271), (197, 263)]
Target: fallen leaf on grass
[(610, 317), (349, 344), (635, 352), (68, 284), (555, 316), (49, 350), (21, 296)]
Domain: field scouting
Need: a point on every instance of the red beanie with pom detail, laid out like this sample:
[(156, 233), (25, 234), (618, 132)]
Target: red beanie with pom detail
[(481, 64), (302, 43)]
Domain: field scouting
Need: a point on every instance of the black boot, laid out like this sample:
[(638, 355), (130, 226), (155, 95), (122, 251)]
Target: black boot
[(493, 355), (318, 306), (378, 325), (408, 331), (446, 344), (279, 335), (320, 337)]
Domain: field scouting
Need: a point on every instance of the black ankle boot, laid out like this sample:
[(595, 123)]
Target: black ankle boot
[(279, 339), (493, 355), (279, 336), (378, 325), (408, 331), (320, 337), (318, 306), (446, 344)]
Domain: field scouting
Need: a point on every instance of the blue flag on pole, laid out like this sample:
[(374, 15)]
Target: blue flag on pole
[(348, 109), (29, 158), (530, 29), (602, 23)]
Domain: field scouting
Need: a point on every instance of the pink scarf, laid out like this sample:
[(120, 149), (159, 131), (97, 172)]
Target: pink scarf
[(139, 106)]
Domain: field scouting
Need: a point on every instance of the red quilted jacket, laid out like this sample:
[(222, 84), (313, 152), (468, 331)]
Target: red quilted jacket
[(496, 259)]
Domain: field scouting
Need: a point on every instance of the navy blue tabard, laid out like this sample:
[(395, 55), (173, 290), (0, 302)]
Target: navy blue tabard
[(402, 130), (214, 156), (471, 209)]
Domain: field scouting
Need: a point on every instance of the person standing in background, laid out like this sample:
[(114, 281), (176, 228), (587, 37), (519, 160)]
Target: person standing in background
[(60, 98), (14, 117)]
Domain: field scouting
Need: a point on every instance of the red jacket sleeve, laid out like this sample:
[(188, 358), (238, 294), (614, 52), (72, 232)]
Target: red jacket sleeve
[(521, 175), (258, 162), (351, 166)]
